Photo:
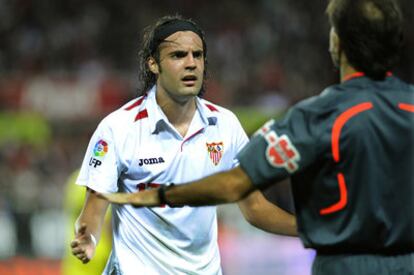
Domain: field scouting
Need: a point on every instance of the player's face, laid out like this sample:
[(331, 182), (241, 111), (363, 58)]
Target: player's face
[(181, 67)]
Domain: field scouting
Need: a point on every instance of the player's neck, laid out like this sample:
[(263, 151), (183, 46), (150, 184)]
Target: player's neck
[(179, 113), (345, 71)]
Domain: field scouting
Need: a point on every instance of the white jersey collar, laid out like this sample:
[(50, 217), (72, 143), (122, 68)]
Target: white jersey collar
[(159, 121)]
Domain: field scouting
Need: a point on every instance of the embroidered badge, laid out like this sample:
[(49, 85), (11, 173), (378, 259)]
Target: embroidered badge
[(101, 148), (265, 128), (280, 152), (215, 151)]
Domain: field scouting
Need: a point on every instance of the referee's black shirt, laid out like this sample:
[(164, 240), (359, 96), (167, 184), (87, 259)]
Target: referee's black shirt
[(350, 153)]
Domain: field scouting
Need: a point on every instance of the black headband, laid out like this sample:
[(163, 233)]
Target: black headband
[(171, 27)]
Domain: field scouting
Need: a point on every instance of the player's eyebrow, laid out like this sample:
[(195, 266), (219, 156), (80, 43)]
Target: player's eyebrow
[(183, 53)]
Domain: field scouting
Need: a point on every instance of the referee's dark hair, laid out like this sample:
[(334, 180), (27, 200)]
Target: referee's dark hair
[(153, 36), (370, 33)]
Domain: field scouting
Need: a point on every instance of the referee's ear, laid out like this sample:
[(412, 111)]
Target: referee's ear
[(153, 65)]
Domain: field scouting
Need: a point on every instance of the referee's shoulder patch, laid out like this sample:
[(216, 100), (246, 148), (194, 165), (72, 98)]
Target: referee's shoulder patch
[(281, 152)]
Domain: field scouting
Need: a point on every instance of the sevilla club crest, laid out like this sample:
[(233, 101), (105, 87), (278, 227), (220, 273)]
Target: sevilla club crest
[(215, 151)]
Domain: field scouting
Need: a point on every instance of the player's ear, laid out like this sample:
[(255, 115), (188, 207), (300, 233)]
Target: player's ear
[(153, 65), (334, 42), (335, 48)]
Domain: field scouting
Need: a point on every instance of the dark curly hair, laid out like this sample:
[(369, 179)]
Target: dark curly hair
[(370, 33), (150, 48)]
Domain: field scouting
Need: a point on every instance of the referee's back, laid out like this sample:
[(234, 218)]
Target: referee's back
[(375, 158)]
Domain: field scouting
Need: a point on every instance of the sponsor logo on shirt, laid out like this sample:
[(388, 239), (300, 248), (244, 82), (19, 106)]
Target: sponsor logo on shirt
[(215, 151), (100, 149), (280, 152), (150, 161)]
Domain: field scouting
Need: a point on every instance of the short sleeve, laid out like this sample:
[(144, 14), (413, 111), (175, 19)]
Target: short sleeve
[(100, 169), (279, 149), (240, 139)]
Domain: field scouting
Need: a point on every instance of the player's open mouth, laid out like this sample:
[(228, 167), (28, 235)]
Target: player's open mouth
[(189, 80)]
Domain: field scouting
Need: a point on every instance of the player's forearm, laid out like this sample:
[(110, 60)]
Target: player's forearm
[(225, 187), (276, 221), (92, 215), (261, 213), (282, 223), (94, 226)]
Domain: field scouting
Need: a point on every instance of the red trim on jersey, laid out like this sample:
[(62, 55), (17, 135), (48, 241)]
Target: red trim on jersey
[(211, 108), (196, 133), (340, 122), (343, 197), (141, 114), (136, 103), (360, 74), (353, 75), (406, 107), (335, 136)]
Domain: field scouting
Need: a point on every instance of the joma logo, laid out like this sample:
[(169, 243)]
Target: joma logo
[(150, 161)]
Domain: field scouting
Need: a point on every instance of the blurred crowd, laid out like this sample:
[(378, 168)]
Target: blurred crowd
[(255, 49), (65, 64)]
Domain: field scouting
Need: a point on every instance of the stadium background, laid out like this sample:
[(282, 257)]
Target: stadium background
[(65, 64)]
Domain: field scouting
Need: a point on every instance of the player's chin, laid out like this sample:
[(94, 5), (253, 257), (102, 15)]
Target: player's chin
[(190, 90)]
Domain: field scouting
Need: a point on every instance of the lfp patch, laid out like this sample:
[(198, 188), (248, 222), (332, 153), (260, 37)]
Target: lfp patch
[(215, 151), (101, 148)]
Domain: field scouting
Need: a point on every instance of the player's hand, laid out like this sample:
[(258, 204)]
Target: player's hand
[(138, 199), (83, 247)]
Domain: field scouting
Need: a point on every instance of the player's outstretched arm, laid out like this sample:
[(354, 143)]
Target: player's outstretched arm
[(224, 187), (88, 227), (263, 214), (83, 246)]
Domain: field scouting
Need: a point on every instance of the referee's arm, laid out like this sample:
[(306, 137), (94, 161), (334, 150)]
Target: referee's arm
[(224, 187)]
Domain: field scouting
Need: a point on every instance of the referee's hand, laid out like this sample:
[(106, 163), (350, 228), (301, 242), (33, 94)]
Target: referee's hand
[(83, 246), (137, 199)]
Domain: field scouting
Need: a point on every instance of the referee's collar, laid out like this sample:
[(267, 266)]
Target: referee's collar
[(159, 121)]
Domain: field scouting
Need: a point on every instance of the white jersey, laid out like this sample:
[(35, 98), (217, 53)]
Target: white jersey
[(136, 148)]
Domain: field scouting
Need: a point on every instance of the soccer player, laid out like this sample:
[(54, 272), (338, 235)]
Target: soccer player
[(167, 134), (349, 152)]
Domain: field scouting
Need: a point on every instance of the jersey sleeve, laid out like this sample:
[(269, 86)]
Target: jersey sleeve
[(240, 139), (279, 149), (100, 169)]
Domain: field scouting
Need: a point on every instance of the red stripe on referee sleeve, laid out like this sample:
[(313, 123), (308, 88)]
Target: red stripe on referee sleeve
[(340, 122), (406, 107), (343, 197)]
